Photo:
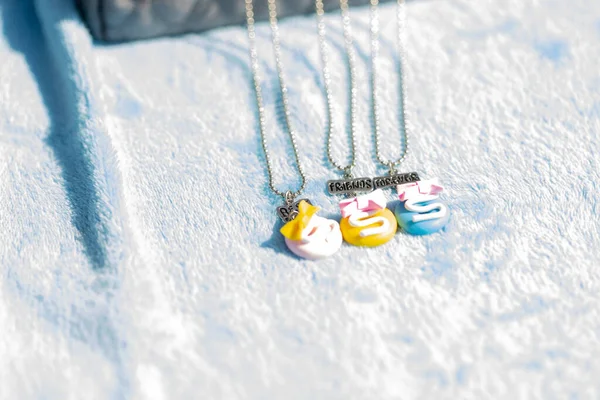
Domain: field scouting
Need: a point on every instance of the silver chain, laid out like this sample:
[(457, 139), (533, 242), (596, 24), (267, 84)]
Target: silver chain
[(351, 56), (401, 28), (288, 195), (403, 123)]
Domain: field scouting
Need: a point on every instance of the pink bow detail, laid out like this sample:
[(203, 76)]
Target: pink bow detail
[(367, 202), (413, 189)]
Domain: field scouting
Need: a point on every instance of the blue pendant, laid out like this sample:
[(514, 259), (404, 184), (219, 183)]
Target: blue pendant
[(422, 218)]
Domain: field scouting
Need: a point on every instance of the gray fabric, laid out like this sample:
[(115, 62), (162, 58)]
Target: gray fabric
[(120, 20)]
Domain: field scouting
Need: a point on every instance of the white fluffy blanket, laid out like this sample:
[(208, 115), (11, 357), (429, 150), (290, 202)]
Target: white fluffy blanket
[(139, 252)]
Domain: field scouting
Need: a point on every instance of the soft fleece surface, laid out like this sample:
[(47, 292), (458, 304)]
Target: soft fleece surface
[(139, 249)]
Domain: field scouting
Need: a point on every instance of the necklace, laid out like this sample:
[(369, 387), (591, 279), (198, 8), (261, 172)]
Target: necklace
[(365, 219), (306, 234)]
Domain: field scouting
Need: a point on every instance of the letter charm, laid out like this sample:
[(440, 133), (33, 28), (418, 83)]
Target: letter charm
[(310, 236), (418, 212), (366, 221)]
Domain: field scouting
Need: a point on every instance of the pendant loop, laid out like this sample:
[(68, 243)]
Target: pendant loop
[(392, 169), (348, 172), (288, 196)]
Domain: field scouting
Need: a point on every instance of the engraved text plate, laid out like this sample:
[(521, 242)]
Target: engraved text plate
[(381, 182), (350, 185)]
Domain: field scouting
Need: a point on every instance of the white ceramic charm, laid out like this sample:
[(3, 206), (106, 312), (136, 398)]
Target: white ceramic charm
[(311, 236)]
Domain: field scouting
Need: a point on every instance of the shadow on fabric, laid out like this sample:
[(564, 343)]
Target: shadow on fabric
[(88, 317), (24, 34)]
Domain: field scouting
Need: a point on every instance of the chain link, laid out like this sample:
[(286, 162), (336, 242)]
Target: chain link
[(351, 57), (401, 28), (272, 5)]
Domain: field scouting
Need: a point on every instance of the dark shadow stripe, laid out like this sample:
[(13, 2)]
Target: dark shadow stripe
[(60, 98), (102, 20)]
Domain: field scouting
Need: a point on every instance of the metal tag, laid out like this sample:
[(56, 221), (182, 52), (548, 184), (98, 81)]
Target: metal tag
[(350, 185), (289, 211), (381, 182)]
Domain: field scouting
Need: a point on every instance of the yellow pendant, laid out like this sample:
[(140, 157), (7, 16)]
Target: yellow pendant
[(369, 228)]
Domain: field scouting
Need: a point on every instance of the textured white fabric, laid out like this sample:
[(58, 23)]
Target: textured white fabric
[(173, 282)]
